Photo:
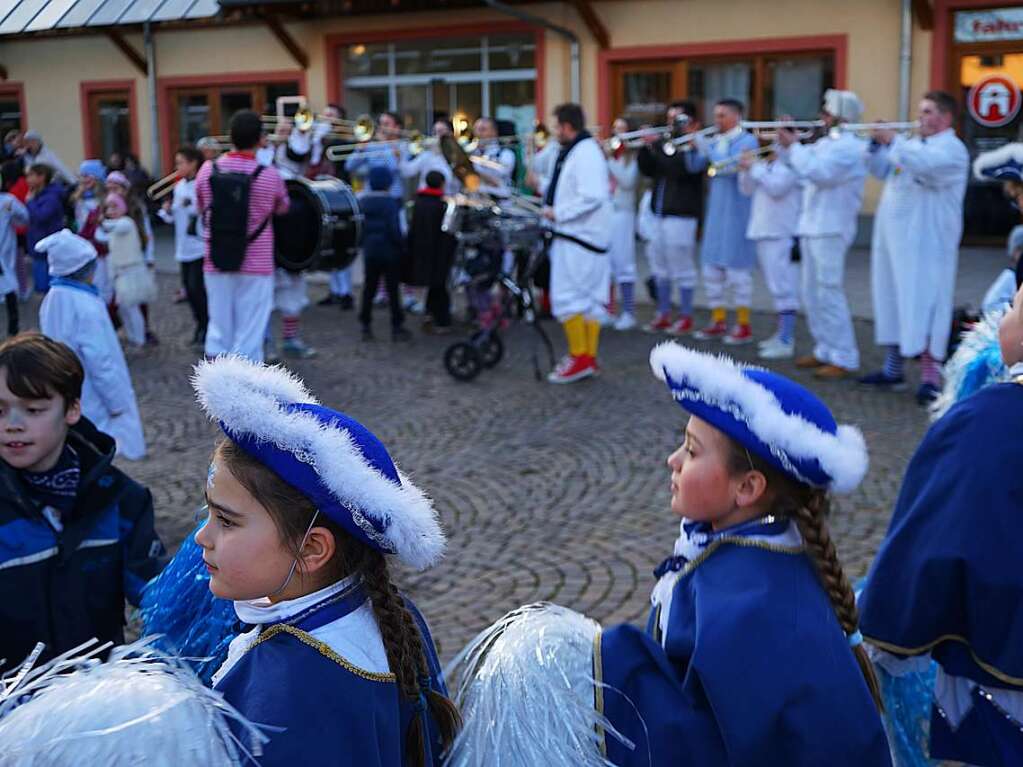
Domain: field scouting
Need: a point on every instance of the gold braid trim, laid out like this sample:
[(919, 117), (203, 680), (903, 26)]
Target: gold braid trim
[(598, 691), (897, 650), (323, 648), (747, 542)]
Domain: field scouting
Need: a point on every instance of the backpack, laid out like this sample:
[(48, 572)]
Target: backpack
[(229, 217)]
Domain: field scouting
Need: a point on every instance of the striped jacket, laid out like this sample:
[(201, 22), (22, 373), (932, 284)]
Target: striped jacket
[(64, 587)]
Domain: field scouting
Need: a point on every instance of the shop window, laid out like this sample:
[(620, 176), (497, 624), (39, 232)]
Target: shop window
[(10, 114), (207, 110), (110, 122)]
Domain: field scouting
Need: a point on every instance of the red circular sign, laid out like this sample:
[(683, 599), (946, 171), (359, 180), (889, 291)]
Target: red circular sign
[(994, 101)]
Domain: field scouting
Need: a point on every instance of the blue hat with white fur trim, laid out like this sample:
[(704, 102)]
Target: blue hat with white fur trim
[(329, 457), (782, 422)]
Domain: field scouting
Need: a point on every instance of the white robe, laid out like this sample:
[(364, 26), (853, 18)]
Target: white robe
[(915, 247), (76, 316), (581, 278)]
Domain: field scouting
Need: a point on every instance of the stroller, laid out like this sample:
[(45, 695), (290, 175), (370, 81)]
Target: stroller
[(485, 235)]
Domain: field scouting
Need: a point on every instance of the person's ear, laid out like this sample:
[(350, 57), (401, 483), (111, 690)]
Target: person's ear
[(74, 413), (318, 550), (751, 489)]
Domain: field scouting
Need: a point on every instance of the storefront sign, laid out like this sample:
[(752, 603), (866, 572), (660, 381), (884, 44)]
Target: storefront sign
[(993, 101), (985, 26)]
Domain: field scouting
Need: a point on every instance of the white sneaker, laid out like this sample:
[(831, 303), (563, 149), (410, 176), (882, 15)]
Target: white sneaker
[(779, 350), (771, 341), (625, 322)]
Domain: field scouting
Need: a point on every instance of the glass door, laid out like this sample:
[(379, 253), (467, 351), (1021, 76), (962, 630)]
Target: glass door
[(642, 91), (110, 118)]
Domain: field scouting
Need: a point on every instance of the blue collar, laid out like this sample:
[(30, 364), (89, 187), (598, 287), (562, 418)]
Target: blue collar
[(75, 285), (333, 608), (697, 536)]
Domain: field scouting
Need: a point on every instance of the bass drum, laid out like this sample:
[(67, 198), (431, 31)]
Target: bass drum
[(321, 229)]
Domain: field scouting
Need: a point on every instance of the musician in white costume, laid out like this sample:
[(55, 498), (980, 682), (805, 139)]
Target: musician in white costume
[(915, 249), (578, 203), (833, 171), (417, 166), (624, 172), (498, 173)]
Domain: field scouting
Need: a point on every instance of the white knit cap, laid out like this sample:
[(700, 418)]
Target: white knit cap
[(845, 105), (66, 252)]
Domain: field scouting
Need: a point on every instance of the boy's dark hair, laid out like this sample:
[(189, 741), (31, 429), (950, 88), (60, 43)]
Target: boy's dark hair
[(246, 129), (686, 107), (42, 169), (733, 104), (945, 102), (190, 153), (570, 114), (37, 367), (11, 171), (435, 179)]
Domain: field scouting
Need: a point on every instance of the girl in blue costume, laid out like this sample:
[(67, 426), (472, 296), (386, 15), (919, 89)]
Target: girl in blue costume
[(752, 654), (304, 505), (947, 583)]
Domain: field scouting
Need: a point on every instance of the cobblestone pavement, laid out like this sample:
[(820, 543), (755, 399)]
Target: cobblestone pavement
[(547, 493)]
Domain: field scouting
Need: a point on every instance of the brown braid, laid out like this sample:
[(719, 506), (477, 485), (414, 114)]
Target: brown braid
[(809, 508), (292, 512)]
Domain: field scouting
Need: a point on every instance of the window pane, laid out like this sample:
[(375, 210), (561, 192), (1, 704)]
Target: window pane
[(412, 106), (10, 116), (361, 60), (441, 55), (232, 102), (276, 90), (468, 106), (511, 52), (796, 86), (114, 127), (366, 101), (193, 118), (442, 94), (646, 96), (709, 83), (514, 101)]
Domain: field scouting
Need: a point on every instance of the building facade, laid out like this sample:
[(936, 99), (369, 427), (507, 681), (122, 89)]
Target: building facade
[(90, 89)]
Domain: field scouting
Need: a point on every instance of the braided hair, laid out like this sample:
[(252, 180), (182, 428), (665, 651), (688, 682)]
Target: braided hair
[(809, 508), (292, 513)]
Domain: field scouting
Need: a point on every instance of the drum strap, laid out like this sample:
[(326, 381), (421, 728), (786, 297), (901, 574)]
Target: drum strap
[(550, 234)]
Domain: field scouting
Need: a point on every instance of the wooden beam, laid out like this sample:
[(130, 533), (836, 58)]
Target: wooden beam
[(130, 53), (924, 13), (277, 28), (593, 23)]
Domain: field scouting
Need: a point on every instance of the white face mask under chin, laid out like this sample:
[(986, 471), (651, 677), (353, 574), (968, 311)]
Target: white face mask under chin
[(294, 563)]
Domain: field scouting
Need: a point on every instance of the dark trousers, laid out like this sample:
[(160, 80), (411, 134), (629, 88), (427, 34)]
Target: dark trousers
[(390, 272), (11, 302), (195, 290), (438, 305)]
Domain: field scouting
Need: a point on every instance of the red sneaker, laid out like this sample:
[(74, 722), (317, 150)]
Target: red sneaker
[(683, 327), (713, 332), (573, 369), (660, 324), (740, 334)]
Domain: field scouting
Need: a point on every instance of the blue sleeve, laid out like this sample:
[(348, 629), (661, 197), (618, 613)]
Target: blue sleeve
[(144, 554)]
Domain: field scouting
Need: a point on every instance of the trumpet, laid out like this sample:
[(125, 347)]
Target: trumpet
[(730, 165), (160, 189), (769, 129), (865, 129), (672, 146)]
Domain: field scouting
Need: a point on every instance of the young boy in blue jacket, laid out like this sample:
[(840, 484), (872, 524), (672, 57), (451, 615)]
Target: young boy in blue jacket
[(76, 534), (382, 244)]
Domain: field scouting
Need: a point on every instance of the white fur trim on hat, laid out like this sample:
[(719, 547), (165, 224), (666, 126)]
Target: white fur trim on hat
[(249, 398), (1010, 154), (845, 105), (843, 456)]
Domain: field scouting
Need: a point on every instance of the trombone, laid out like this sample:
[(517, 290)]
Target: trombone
[(768, 129), (160, 189), (730, 165)]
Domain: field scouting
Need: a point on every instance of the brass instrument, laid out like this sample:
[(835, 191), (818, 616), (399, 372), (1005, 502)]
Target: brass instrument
[(160, 189), (540, 136), (865, 129), (768, 129), (730, 165), (671, 146)]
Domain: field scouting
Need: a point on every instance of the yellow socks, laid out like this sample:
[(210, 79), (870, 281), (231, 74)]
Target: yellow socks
[(576, 334), (742, 315), (592, 337), (717, 314)]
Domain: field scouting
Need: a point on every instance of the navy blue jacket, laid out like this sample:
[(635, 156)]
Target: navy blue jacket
[(45, 215), (62, 588), (381, 231)]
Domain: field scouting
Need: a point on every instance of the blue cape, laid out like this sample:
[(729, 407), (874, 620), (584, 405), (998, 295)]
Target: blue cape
[(755, 670), (948, 578)]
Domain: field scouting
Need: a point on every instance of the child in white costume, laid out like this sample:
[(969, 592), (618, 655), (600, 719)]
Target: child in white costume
[(73, 313)]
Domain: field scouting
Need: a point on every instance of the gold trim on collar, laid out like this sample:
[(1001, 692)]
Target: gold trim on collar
[(734, 540), (897, 650), (323, 648), (598, 691)]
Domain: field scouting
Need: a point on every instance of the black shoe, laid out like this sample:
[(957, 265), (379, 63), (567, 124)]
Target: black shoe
[(151, 339), (927, 393), (400, 334), (347, 303), (367, 333), (330, 300), (885, 382)]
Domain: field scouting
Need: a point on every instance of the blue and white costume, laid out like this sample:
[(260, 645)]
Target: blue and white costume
[(316, 666), (743, 661), (946, 583)]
